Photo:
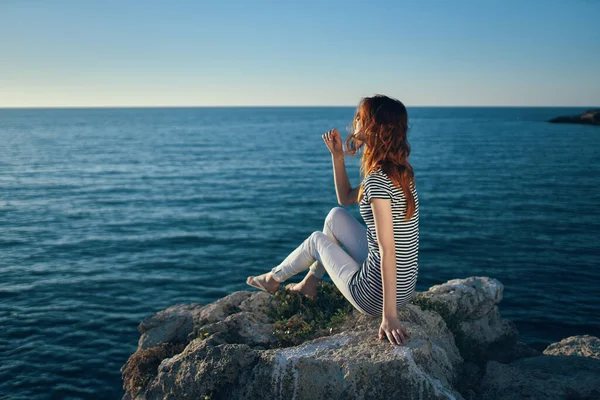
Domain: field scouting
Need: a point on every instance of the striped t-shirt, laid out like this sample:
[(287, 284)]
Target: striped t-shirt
[(366, 285)]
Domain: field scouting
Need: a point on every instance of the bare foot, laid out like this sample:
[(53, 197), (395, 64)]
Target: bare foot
[(309, 289), (264, 282)]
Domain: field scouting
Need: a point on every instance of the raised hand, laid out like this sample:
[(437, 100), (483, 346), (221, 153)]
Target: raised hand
[(333, 140)]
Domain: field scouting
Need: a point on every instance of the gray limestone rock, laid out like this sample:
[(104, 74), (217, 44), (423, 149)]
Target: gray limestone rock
[(470, 308), (542, 377), (460, 348), (581, 345), (170, 325)]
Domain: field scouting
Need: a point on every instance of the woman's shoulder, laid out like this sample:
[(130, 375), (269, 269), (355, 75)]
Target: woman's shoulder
[(379, 175), (377, 178)]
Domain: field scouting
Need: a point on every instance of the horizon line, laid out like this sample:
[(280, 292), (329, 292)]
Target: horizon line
[(284, 106)]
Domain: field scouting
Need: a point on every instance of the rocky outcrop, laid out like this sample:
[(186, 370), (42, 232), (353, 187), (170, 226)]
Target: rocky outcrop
[(470, 309), (590, 117), (171, 325), (543, 377), (460, 348), (569, 369), (582, 345)]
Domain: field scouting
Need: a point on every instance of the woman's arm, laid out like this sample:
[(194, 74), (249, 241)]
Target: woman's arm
[(346, 195), (384, 228)]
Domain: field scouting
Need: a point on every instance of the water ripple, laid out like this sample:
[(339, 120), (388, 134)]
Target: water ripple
[(109, 215)]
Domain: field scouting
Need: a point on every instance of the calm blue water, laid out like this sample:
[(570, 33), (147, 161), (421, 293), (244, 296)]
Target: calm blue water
[(109, 215)]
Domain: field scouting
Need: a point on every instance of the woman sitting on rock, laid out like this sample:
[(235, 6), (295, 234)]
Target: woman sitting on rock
[(378, 273)]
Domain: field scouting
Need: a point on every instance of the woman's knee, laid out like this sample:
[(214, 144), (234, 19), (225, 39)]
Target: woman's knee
[(319, 240), (335, 213), (316, 235)]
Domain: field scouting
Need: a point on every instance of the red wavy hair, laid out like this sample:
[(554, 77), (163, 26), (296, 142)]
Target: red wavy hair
[(383, 132)]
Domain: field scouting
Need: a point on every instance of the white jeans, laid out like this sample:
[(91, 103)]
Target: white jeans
[(322, 251)]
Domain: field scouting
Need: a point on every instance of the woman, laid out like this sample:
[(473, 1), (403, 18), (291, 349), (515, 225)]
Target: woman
[(379, 271)]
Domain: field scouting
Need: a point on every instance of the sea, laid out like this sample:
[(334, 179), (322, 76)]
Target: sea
[(108, 215)]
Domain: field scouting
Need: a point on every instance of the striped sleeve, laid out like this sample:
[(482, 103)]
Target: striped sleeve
[(376, 186)]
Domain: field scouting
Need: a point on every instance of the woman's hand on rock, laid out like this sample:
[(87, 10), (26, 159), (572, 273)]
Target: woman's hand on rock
[(393, 330), (333, 140)]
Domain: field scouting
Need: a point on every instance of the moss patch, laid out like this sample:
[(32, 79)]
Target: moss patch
[(142, 366), (426, 303), (298, 319)]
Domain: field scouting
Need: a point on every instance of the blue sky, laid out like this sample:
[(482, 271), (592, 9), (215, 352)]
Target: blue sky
[(218, 53)]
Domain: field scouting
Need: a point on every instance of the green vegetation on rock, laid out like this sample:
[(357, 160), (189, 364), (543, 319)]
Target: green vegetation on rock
[(297, 318), (426, 303), (142, 366)]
